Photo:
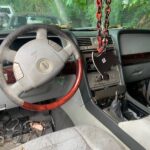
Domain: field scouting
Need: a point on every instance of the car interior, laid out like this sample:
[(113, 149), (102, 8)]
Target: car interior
[(54, 95)]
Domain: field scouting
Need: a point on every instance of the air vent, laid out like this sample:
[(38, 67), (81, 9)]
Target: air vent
[(84, 41)]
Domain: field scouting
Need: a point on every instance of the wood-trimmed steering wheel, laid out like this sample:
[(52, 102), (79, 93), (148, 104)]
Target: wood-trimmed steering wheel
[(37, 62)]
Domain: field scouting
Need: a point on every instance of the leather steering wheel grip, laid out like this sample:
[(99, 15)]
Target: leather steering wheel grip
[(12, 94)]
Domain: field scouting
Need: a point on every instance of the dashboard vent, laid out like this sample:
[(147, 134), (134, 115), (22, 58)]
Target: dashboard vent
[(84, 41)]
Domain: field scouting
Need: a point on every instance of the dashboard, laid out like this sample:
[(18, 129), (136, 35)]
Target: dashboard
[(120, 43), (94, 78), (101, 88), (135, 54)]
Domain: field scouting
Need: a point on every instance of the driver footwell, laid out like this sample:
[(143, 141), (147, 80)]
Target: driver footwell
[(18, 126)]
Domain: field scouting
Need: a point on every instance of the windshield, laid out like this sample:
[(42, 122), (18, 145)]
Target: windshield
[(73, 13)]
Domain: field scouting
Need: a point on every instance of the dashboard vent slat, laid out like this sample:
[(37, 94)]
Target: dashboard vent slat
[(84, 41)]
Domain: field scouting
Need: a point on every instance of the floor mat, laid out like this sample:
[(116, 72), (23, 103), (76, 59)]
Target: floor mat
[(17, 126), (18, 129)]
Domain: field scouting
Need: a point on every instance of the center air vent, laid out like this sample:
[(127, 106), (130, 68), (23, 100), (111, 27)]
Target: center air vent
[(90, 43), (84, 41)]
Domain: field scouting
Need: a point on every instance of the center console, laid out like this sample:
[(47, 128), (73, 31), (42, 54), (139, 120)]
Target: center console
[(108, 93), (101, 88), (95, 80)]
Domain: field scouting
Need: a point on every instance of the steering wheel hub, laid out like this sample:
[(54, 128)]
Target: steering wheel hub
[(44, 65)]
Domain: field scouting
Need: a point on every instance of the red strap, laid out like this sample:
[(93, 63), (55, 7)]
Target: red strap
[(102, 37)]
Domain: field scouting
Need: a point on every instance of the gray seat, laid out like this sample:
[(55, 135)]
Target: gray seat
[(139, 130), (75, 138)]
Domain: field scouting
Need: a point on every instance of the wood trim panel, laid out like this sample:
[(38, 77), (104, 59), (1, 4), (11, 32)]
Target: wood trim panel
[(133, 59)]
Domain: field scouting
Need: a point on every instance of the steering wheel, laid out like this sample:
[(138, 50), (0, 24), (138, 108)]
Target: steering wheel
[(37, 62)]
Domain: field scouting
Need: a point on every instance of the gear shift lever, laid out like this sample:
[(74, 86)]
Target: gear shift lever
[(115, 109)]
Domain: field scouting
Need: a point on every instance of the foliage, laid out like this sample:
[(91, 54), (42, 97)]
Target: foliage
[(135, 14), (140, 10)]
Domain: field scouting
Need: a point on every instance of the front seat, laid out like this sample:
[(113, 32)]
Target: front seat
[(75, 138)]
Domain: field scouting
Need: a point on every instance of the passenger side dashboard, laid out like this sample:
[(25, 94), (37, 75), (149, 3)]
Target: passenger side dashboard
[(135, 54)]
